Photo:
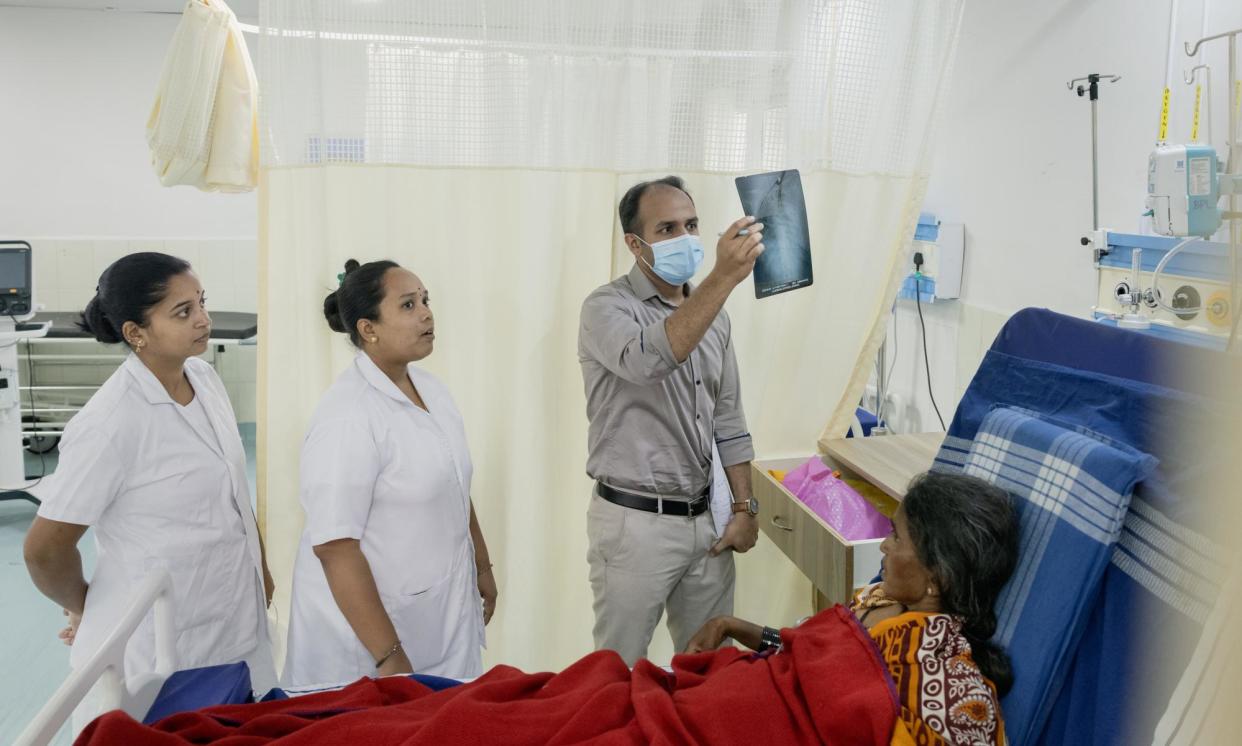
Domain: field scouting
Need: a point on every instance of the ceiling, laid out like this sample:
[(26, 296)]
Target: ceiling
[(248, 9)]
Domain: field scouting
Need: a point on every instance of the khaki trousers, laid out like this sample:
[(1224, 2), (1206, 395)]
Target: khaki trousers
[(643, 564)]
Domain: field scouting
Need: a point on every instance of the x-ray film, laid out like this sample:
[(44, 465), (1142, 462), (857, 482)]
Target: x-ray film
[(776, 200)]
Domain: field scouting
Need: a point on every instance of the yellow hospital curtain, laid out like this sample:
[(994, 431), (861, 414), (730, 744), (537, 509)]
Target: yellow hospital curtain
[(485, 146)]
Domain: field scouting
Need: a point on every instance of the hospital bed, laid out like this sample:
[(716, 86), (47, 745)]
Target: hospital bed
[(1073, 617), (1082, 623)]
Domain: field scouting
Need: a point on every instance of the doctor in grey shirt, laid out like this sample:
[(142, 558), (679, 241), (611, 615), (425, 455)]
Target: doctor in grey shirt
[(663, 397)]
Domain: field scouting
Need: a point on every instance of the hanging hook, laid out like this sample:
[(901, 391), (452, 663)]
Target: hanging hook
[(1097, 76), (1191, 51), (1092, 84)]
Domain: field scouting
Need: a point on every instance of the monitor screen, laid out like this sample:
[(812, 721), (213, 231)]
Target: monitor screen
[(13, 269)]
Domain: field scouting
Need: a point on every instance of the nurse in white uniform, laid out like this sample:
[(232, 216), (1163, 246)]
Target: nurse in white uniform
[(392, 575), (155, 464)]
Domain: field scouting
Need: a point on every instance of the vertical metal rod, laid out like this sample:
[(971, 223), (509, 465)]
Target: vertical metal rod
[(881, 386), (1207, 75), (1234, 167), (1095, 172)]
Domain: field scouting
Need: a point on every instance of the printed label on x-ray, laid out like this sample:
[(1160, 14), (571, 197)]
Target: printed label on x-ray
[(1200, 177)]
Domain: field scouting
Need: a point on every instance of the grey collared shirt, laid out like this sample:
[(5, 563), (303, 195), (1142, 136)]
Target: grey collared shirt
[(652, 421)]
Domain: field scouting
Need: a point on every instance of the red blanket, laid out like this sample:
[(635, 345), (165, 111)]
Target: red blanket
[(829, 686)]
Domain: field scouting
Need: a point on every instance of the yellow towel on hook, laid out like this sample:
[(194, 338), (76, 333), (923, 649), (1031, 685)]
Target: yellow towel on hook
[(203, 128)]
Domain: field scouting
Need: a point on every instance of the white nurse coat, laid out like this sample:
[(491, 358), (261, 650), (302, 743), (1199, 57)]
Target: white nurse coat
[(377, 468), (164, 486)]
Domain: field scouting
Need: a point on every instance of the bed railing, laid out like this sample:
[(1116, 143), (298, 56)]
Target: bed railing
[(107, 667)]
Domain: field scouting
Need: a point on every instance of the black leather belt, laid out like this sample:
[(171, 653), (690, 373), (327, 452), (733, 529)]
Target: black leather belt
[(654, 505)]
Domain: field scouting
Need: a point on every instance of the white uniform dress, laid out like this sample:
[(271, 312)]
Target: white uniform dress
[(164, 486), (377, 468)]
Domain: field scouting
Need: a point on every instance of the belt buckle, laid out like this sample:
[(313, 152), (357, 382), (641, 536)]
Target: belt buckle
[(693, 505)]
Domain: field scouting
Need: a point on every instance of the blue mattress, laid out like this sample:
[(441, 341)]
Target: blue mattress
[(229, 684)]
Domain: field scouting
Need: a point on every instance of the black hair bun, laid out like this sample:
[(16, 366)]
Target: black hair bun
[(332, 312), (94, 322), (332, 304)]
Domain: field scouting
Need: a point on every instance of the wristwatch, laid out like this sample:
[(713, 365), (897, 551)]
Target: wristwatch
[(750, 506)]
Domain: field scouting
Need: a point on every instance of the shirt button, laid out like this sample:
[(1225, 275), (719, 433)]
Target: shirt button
[(698, 417), (698, 383)]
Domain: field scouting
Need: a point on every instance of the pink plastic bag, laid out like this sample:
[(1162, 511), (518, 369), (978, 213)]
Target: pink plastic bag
[(836, 502)]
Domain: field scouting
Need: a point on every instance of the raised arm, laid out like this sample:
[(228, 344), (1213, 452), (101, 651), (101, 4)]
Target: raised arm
[(735, 259)]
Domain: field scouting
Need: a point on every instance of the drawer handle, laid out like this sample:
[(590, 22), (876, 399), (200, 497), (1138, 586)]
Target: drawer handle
[(778, 524)]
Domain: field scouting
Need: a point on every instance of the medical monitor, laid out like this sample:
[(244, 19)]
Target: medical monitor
[(16, 275)]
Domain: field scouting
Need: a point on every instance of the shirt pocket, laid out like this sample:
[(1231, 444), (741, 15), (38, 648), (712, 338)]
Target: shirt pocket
[(425, 619)]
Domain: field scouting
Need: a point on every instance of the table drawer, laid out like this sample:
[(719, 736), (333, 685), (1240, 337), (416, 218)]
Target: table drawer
[(835, 566)]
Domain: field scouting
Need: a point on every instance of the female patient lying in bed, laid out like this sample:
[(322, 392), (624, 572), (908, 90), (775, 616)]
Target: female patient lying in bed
[(953, 546), (925, 628)]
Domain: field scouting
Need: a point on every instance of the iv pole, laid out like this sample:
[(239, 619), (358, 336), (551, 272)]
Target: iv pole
[(1232, 167), (1092, 91)]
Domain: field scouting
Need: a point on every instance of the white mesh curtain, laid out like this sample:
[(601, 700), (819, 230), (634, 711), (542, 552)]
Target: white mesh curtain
[(485, 145)]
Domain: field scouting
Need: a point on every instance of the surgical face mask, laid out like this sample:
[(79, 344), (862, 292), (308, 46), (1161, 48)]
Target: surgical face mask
[(677, 259)]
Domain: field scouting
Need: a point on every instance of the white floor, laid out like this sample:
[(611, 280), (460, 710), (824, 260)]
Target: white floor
[(33, 660)]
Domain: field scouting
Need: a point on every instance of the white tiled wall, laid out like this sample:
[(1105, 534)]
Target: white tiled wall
[(238, 368), (979, 328), (67, 271), (958, 335)]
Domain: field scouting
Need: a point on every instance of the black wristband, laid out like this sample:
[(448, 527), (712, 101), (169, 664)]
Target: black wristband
[(769, 640)]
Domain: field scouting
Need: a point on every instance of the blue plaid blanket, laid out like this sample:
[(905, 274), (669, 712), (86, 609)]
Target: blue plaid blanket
[(1105, 561)]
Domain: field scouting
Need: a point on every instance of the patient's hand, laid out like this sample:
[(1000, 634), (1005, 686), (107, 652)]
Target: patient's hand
[(69, 633), (710, 636), (718, 628)]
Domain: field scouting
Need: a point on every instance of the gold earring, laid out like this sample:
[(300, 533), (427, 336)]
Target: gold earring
[(374, 340)]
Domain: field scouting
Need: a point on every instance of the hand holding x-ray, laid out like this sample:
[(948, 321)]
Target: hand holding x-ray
[(738, 248)]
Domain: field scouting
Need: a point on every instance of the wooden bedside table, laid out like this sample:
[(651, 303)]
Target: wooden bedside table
[(837, 566)]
